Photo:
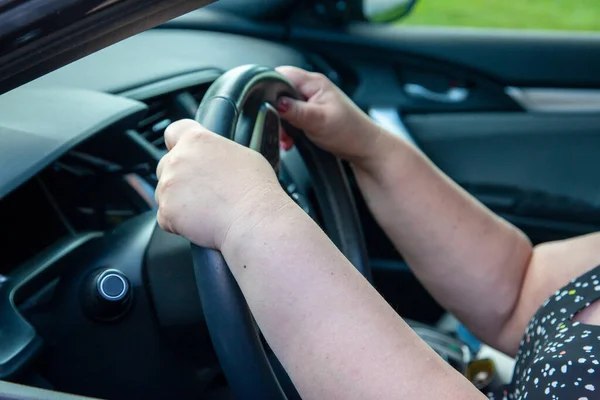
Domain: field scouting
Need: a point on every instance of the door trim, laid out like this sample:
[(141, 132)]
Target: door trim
[(556, 99)]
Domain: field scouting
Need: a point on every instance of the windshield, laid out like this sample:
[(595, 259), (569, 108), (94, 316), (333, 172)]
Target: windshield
[(23, 21)]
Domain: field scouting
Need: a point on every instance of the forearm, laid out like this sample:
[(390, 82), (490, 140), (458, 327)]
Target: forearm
[(336, 337), (471, 261)]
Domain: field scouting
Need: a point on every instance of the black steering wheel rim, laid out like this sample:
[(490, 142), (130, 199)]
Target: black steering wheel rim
[(230, 108)]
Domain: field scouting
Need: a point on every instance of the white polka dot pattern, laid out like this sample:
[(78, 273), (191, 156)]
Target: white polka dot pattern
[(557, 357)]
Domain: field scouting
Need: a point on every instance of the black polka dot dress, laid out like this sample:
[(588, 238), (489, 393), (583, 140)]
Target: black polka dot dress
[(559, 358)]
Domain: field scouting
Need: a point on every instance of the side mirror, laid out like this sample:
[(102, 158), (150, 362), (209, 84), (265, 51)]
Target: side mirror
[(381, 11)]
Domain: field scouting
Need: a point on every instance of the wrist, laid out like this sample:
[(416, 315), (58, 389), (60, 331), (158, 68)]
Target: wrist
[(382, 147), (260, 207)]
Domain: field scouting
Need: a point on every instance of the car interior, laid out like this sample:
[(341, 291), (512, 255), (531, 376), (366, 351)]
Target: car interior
[(513, 117)]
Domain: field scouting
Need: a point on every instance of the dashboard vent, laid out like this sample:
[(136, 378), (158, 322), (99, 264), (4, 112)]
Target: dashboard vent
[(95, 193), (167, 108), (158, 118)]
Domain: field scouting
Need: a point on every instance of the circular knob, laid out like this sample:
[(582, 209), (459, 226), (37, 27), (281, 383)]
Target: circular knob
[(113, 286), (107, 295)]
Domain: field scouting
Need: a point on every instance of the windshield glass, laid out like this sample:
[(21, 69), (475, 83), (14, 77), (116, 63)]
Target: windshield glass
[(23, 21)]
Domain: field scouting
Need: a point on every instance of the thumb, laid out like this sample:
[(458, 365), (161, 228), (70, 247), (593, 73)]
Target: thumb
[(306, 82), (294, 111)]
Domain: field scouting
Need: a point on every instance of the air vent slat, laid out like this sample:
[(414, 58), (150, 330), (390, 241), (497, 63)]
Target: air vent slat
[(153, 118), (153, 126), (159, 142), (163, 110)]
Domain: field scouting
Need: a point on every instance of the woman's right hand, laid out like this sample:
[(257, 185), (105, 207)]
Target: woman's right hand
[(328, 117)]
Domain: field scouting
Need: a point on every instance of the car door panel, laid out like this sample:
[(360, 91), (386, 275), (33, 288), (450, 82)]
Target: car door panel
[(539, 166), (552, 153), (380, 83), (524, 139), (519, 58)]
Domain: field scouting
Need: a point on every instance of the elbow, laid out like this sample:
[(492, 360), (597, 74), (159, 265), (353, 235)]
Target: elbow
[(512, 324)]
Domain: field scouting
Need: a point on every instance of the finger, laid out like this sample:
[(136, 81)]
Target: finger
[(299, 113), (162, 214), (159, 172), (163, 222), (307, 83), (177, 130), (161, 166), (285, 141), (157, 197)]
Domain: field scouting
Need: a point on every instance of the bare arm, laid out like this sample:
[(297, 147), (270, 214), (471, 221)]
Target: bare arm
[(336, 337), (472, 262), (477, 265)]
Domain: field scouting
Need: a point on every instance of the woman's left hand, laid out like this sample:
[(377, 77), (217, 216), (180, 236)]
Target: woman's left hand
[(208, 185)]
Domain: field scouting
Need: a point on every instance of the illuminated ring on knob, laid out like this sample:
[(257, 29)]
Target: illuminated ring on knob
[(109, 294)]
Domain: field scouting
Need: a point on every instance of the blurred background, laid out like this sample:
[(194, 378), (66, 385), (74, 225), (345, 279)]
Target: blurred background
[(577, 15), (564, 15)]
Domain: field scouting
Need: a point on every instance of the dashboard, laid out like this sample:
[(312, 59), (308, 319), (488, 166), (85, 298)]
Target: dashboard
[(98, 123), (80, 150)]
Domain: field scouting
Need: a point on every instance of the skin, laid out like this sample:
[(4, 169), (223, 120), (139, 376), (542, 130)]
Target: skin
[(317, 312), (478, 266)]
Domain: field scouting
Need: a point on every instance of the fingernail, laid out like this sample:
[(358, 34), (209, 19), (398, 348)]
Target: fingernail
[(285, 142), (284, 105)]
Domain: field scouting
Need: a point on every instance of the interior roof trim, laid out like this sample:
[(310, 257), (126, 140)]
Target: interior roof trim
[(565, 100)]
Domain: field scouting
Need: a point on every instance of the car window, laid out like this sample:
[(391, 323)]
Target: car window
[(23, 21), (570, 15)]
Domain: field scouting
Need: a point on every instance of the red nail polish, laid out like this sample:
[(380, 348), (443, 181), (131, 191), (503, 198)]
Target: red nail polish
[(283, 105), (285, 141)]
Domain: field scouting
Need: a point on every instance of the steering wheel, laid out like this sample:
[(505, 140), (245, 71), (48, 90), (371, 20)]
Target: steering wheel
[(240, 107)]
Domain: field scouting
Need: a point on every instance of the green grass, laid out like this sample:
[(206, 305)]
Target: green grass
[(579, 15)]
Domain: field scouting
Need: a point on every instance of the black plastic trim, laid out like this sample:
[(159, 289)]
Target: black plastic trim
[(514, 58), (19, 341), (169, 277)]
